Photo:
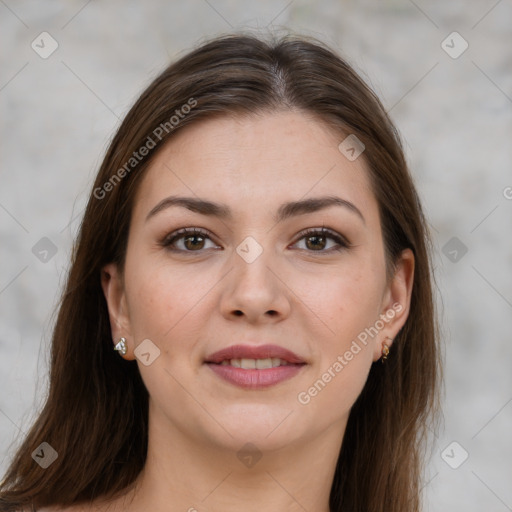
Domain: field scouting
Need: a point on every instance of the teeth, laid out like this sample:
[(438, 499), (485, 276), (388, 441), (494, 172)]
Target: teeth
[(253, 364), (261, 364), (248, 364)]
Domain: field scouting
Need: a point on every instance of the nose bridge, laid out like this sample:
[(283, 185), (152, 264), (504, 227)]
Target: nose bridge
[(251, 263), (254, 289)]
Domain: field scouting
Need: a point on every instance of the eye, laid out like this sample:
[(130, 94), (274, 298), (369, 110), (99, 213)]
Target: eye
[(314, 240), (317, 240), (188, 240)]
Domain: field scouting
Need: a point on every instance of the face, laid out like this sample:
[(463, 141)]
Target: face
[(255, 268)]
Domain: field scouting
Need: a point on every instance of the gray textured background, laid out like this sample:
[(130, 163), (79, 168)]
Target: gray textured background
[(455, 115)]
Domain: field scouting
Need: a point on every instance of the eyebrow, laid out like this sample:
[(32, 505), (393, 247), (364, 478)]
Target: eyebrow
[(285, 211)]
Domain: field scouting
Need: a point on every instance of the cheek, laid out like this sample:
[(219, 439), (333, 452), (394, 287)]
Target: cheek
[(333, 393), (346, 302), (344, 353), (162, 301)]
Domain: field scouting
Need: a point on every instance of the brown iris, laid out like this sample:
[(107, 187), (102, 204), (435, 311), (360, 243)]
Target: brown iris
[(318, 242), (194, 244)]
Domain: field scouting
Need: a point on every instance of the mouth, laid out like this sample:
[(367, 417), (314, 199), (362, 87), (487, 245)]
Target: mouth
[(255, 364), (254, 367)]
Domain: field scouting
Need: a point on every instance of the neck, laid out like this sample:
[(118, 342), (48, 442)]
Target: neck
[(185, 474)]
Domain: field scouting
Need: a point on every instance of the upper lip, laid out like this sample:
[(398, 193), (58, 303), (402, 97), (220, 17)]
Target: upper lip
[(254, 352)]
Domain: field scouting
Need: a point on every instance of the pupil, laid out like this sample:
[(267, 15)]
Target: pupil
[(315, 243), (193, 244)]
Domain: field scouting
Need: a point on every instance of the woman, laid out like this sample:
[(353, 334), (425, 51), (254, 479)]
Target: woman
[(248, 320)]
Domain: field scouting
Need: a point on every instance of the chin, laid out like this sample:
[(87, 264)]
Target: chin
[(267, 426)]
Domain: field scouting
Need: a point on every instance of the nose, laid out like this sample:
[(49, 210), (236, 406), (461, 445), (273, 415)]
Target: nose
[(255, 292)]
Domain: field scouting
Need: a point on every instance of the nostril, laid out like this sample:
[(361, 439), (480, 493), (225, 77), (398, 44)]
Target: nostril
[(270, 312)]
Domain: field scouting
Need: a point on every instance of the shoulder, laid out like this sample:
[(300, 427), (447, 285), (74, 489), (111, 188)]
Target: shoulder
[(71, 508), (95, 506), (59, 509)]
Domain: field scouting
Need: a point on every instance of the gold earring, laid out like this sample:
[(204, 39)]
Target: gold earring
[(385, 350)]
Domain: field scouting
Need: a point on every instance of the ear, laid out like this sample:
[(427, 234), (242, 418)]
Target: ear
[(113, 289), (396, 302)]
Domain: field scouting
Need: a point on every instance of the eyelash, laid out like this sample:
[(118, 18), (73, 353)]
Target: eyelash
[(342, 242)]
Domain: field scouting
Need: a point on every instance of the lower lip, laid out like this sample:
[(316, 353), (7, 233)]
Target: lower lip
[(255, 379)]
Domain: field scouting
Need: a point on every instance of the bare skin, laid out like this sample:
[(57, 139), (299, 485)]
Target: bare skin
[(198, 295)]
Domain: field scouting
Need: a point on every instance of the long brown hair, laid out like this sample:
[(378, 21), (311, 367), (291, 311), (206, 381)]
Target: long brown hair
[(96, 412)]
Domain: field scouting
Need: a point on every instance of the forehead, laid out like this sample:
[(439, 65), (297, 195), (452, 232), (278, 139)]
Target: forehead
[(256, 162)]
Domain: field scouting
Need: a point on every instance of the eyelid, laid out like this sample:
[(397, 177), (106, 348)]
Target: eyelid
[(324, 230), (169, 239), (342, 241)]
